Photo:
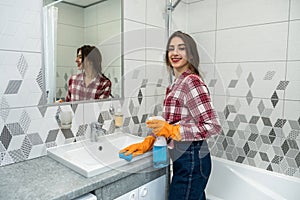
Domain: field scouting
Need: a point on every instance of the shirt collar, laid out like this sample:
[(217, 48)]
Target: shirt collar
[(183, 75)]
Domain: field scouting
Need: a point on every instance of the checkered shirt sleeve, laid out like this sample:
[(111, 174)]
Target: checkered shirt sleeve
[(188, 103)]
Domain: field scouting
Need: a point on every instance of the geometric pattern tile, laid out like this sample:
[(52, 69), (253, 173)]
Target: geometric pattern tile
[(4, 111), (249, 97), (5, 137), (35, 139), (212, 83), (232, 83), (17, 155), (52, 135), (140, 96), (274, 99), (282, 85), (13, 87), (39, 80), (26, 147), (261, 107), (22, 65), (81, 130), (250, 80), (25, 121), (239, 70), (269, 75), (255, 140), (144, 83), (67, 133), (15, 129)]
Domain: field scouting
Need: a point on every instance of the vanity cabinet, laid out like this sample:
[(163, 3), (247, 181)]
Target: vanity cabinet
[(146, 184), (155, 189)]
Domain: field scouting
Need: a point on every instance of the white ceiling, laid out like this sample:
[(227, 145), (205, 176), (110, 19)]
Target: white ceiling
[(83, 3)]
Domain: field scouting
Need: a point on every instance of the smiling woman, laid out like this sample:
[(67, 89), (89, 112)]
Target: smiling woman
[(70, 24)]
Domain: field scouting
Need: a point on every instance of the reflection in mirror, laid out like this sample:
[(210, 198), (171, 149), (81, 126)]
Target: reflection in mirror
[(70, 24)]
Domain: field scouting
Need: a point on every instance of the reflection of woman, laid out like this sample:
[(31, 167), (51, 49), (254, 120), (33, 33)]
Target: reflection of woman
[(90, 83), (189, 120)]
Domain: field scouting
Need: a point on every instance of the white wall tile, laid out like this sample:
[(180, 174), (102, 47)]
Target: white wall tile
[(110, 54), (18, 32), (202, 16), (66, 56), (134, 74), (134, 40), (91, 35), (156, 13), (90, 15), (256, 43), (69, 14), (295, 8), (155, 43), (179, 18), (108, 11), (109, 33), (156, 73), (292, 91), (69, 35), (291, 110), (233, 13), (294, 41), (206, 46), (135, 10)]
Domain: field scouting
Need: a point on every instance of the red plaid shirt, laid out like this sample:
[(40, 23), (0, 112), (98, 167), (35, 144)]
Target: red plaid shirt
[(188, 103), (99, 88)]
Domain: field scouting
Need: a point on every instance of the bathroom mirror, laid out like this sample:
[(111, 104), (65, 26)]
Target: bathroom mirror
[(69, 24)]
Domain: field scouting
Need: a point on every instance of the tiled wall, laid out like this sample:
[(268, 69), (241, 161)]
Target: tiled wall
[(248, 55), (145, 75), (250, 62)]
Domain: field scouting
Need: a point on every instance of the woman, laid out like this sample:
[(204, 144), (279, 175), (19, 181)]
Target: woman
[(91, 82), (189, 120)]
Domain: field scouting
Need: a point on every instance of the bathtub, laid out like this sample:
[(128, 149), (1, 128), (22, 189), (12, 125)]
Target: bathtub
[(234, 181)]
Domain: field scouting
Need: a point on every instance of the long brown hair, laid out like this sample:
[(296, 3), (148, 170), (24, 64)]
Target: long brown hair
[(191, 51)]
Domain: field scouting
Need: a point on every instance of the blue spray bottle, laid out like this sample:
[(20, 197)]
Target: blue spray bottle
[(160, 153)]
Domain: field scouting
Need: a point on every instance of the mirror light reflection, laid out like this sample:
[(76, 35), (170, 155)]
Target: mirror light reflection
[(70, 24)]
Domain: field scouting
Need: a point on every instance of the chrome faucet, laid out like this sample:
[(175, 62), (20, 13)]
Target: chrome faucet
[(96, 131)]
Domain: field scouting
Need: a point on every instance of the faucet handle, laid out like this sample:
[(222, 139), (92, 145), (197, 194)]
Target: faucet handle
[(96, 125)]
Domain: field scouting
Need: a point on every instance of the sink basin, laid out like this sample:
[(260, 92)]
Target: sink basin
[(93, 158)]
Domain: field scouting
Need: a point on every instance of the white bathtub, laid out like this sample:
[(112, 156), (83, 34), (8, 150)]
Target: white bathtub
[(234, 181)]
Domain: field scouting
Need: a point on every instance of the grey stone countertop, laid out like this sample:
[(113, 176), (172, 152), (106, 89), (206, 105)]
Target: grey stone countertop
[(45, 178)]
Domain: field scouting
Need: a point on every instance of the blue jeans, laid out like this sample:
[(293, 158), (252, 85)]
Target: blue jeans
[(191, 170)]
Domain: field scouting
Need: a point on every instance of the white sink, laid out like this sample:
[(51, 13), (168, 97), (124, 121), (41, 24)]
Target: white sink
[(93, 158)]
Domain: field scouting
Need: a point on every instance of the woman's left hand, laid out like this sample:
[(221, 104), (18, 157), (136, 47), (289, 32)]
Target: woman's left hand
[(162, 128)]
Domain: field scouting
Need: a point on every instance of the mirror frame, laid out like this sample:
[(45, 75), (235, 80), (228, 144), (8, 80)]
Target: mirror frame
[(45, 48)]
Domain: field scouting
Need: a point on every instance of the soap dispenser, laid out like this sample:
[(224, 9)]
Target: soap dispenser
[(160, 153)]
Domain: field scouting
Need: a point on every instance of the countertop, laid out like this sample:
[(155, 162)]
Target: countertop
[(45, 178)]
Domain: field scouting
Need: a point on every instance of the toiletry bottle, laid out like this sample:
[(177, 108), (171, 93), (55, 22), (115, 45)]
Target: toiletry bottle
[(160, 153), (118, 118)]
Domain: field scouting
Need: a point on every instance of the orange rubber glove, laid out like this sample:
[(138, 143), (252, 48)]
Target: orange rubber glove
[(162, 128), (139, 148)]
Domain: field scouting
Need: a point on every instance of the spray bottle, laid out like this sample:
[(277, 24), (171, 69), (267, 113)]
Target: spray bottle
[(160, 150), (160, 153)]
